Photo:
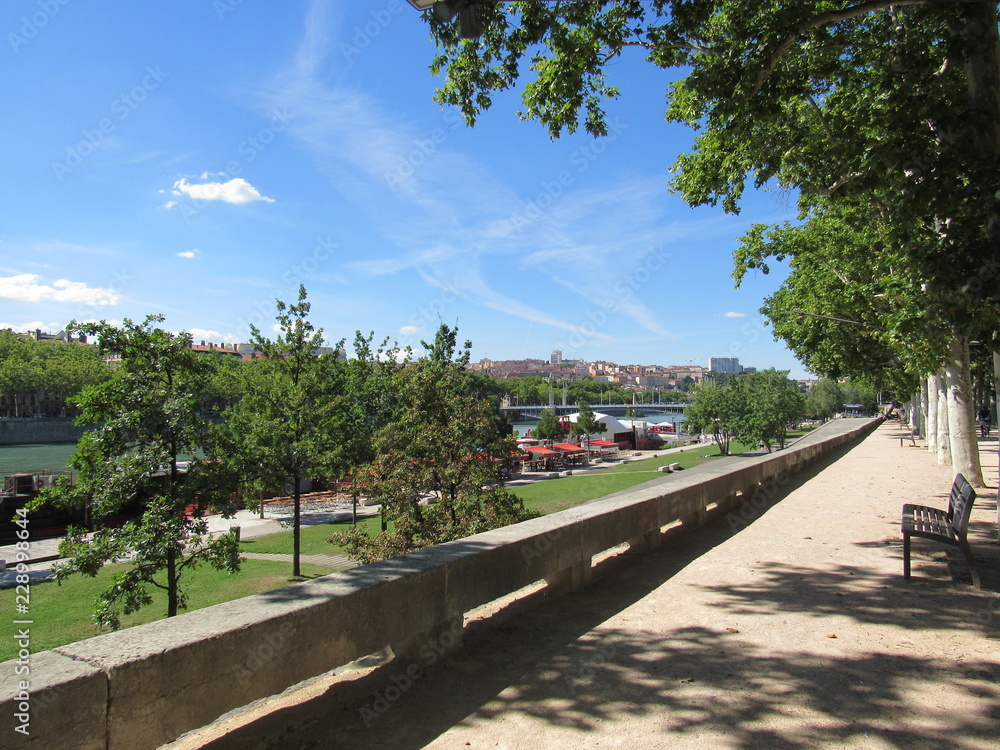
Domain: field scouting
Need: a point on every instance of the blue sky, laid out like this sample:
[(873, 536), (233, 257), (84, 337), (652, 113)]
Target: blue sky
[(201, 158)]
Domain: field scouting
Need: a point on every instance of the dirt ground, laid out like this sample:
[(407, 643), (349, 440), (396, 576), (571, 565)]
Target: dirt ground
[(784, 626)]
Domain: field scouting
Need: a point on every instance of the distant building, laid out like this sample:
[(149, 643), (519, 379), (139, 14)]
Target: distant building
[(556, 357), (725, 364)]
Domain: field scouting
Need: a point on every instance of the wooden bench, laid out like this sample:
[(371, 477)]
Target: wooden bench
[(949, 528)]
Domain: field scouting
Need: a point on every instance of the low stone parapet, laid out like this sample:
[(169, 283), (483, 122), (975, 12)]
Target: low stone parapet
[(145, 686)]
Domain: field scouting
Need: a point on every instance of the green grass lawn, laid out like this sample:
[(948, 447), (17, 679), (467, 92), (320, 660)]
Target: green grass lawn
[(551, 495), (62, 614), (312, 539)]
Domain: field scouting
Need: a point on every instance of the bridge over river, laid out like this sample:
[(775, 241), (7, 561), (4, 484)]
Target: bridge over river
[(524, 413)]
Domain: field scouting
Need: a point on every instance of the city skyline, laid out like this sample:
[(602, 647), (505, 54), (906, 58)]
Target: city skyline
[(205, 170)]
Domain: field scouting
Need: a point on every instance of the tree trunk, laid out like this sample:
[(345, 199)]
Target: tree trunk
[(915, 414), (943, 447), (996, 424), (961, 413), (932, 413), (924, 406), (171, 582), (296, 538)]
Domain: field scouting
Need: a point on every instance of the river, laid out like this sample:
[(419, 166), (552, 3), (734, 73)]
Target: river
[(23, 459)]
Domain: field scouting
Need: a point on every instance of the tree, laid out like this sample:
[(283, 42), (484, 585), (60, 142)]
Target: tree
[(713, 412), (587, 423), (549, 427), (148, 429), (438, 460), (852, 306), (824, 399), (286, 429), (883, 104), (37, 377), (766, 402)]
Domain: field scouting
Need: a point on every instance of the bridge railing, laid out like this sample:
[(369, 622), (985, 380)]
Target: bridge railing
[(144, 686)]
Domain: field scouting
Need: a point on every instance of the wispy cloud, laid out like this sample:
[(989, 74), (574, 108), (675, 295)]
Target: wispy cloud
[(734, 315), (27, 287), (188, 253), (589, 238)]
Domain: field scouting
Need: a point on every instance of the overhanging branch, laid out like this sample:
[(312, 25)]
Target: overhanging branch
[(833, 17)]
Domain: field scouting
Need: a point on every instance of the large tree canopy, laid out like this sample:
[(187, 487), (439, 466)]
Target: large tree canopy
[(892, 104), (884, 111)]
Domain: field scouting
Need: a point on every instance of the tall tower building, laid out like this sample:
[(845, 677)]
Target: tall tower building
[(725, 364)]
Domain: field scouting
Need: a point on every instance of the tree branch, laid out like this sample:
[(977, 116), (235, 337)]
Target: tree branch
[(833, 17)]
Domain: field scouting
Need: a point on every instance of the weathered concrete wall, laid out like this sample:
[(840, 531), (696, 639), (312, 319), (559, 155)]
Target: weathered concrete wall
[(25, 431), (144, 686)]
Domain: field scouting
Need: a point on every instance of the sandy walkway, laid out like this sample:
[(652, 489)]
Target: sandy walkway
[(795, 630)]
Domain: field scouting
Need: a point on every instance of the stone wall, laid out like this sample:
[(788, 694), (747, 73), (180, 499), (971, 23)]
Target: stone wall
[(144, 686), (47, 430)]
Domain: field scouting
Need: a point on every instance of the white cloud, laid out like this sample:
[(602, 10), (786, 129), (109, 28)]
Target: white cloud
[(410, 330), (34, 325), (188, 253), (26, 287), (203, 334), (236, 190), (734, 315)]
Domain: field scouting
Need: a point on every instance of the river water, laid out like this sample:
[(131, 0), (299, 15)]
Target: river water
[(23, 459)]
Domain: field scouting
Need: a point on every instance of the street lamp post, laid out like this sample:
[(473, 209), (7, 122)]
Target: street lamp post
[(446, 10)]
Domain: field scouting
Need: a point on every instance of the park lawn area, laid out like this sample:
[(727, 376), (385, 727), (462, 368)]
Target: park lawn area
[(62, 614), (552, 495), (312, 539)]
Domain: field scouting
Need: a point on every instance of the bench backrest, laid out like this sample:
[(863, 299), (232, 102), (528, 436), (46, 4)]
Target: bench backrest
[(960, 505)]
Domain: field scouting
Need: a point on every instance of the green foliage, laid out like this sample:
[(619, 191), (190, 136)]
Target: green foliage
[(41, 376), (148, 420), (755, 408), (286, 428), (824, 399), (888, 113), (586, 423), (437, 461), (549, 427), (767, 402), (714, 412)]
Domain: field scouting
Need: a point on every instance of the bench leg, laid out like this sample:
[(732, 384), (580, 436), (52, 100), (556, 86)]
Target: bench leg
[(967, 552), (906, 555)]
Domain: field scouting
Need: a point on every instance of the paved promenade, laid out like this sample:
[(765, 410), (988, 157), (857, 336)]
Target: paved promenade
[(785, 627)]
